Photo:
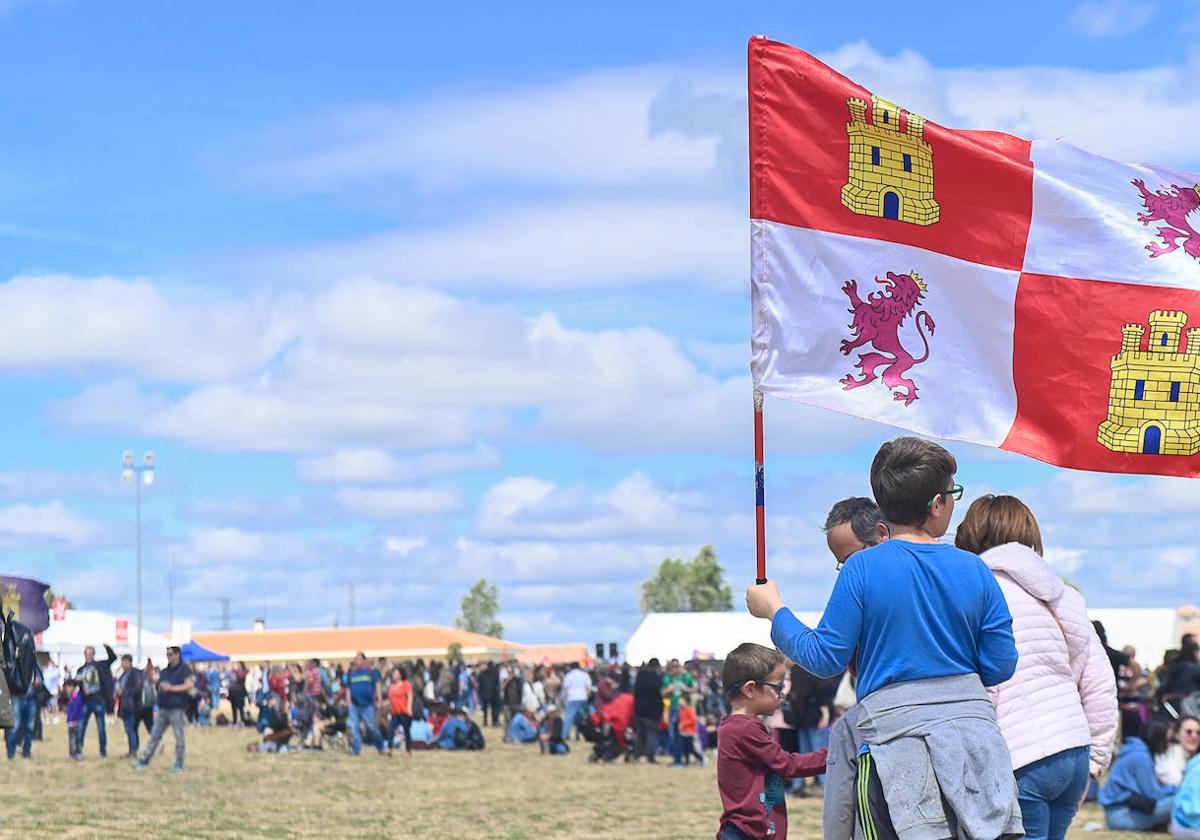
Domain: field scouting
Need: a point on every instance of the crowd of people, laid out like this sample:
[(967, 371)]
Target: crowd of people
[(970, 665), (621, 712)]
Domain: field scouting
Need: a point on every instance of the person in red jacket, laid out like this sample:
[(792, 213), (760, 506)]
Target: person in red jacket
[(751, 766)]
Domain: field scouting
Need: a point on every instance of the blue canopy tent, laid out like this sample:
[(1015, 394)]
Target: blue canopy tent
[(193, 652)]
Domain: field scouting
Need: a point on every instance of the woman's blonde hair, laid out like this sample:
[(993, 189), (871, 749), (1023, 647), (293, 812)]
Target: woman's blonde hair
[(996, 520)]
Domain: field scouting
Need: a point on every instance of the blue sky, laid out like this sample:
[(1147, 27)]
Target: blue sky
[(404, 297)]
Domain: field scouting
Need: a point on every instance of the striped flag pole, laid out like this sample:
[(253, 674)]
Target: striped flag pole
[(760, 515)]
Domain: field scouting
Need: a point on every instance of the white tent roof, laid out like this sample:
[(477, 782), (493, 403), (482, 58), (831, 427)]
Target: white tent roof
[(1152, 631), (703, 635), (65, 640), (711, 635)]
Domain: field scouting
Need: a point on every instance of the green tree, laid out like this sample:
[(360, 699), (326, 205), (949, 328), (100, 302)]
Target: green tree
[(454, 653), (51, 595), (696, 585), (480, 606)]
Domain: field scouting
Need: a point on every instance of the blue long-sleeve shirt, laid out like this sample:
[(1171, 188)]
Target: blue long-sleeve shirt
[(1133, 772), (911, 611)]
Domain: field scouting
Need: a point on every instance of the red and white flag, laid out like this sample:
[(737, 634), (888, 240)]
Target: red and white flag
[(970, 285)]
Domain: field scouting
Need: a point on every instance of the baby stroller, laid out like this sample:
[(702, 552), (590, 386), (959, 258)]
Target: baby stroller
[(599, 733), (610, 729)]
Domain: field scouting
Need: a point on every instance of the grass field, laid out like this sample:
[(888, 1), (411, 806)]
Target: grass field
[(507, 791)]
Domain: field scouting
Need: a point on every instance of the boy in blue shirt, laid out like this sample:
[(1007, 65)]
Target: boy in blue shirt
[(910, 610)]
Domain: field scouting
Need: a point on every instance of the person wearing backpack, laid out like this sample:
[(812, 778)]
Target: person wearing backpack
[(130, 685), (96, 684), (25, 712)]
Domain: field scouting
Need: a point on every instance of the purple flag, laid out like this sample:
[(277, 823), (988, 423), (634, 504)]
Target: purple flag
[(26, 598)]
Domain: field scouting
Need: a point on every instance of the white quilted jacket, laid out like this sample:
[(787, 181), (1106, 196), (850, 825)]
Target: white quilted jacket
[(1063, 694)]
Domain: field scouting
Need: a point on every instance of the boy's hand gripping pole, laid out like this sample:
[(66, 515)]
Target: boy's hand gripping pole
[(760, 516)]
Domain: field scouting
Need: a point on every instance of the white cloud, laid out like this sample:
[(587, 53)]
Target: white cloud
[(52, 524), (398, 502), (378, 466), (1065, 561), (550, 246), (384, 367), (1108, 18), (1043, 102), (403, 546), (591, 130), (227, 543), (637, 506), (109, 324)]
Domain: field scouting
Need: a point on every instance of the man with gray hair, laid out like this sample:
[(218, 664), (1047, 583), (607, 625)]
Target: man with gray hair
[(852, 525)]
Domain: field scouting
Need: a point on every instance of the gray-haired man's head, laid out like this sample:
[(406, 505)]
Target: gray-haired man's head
[(852, 525)]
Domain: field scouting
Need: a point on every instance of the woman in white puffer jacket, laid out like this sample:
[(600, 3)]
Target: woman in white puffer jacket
[(1059, 711)]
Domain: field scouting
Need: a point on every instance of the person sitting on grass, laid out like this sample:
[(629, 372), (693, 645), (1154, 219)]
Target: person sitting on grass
[(522, 730), (550, 733), (751, 765), (460, 733), (1133, 797), (277, 729), (422, 734)]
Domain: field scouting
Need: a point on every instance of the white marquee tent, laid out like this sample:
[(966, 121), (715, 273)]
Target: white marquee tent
[(698, 635), (711, 635), (65, 640)]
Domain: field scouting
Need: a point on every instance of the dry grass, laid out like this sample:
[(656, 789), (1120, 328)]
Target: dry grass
[(507, 791)]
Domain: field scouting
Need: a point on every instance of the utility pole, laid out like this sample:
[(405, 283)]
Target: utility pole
[(224, 613)]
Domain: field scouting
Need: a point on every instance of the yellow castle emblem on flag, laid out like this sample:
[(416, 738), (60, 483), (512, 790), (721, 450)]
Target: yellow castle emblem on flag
[(10, 601), (891, 168), (1154, 396)]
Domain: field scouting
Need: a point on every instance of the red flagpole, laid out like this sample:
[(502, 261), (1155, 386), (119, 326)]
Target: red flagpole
[(760, 515)]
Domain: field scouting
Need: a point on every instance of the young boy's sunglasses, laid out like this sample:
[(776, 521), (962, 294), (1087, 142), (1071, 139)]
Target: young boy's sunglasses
[(955, 491)]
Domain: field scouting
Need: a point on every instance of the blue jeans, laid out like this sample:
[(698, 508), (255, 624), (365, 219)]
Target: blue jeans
[(673, 734), (575, 709), (94, 706), (809, 740), (364, 715), (131, 721), (1049, 791), (1124, 818), (25, 709), (732, 832)]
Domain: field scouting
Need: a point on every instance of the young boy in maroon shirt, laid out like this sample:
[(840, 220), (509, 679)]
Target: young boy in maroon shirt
[(751, 766)]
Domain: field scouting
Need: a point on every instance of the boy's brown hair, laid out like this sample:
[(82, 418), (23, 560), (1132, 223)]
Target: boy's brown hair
[(748, 662), (905, 476), (996, 520)]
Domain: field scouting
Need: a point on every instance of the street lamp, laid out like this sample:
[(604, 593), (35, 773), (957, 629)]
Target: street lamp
[(131, 473)]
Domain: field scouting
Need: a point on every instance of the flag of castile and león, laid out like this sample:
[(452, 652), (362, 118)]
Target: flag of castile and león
[(970, 285)]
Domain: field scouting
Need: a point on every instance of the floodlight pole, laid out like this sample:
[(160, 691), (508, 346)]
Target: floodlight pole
[(138, 474)]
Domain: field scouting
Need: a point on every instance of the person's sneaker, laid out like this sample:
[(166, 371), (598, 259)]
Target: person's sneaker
[(703, 762), (177, 768), (140, 765), (78, 757)]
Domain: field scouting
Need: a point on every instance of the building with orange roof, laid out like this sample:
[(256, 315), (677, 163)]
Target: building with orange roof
[(401, 641), (560, 654)]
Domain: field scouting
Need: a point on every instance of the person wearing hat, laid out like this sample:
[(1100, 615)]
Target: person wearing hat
[(174, 683)]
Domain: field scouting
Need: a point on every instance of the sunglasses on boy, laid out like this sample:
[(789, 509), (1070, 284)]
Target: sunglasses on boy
[(778, 686), (955, 492)]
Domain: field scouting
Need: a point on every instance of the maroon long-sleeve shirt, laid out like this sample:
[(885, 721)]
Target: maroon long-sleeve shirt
[(751, 767)]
